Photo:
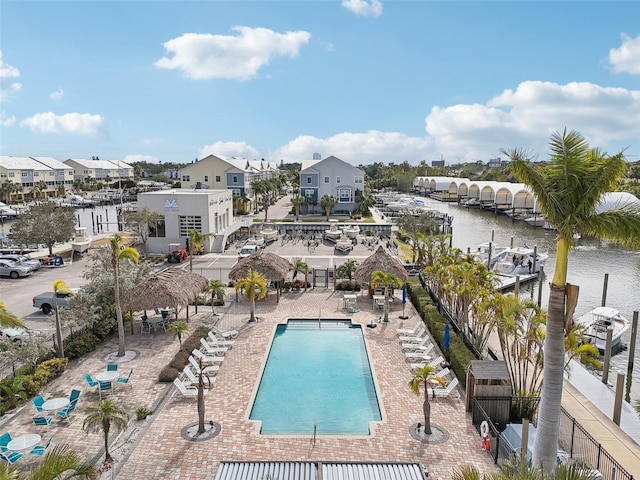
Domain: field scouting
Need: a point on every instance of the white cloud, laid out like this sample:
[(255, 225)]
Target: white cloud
[(72, 123), (626, 59), (8, 87), (140, 158), (364, 8), (230, 149), (357, 148), (6, 121), (57, 95), (207, 56), (528, 116)]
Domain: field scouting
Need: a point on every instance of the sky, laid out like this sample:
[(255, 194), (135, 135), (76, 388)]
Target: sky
[(364, 80)]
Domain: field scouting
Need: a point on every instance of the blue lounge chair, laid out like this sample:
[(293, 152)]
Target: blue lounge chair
[(75, 394), (125, 380), (41, 449), (104, 387), (42, 421), (92, 383), (37, 402), (5, 438), (11, 457), (112, 367), (66, 412)]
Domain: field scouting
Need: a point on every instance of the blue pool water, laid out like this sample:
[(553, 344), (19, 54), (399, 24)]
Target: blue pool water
[(316, 375)]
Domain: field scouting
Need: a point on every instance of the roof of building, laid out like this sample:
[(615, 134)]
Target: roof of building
[(21, 163), (313, 163), (243, 164), (101, 164), (52, 163)]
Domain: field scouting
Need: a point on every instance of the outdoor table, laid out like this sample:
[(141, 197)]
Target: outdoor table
[(107, 376), (55, 404), (24, 442), (347, 298)]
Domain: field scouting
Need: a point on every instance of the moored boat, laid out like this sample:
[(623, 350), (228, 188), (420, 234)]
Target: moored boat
[(81, 242), (519, 261), (598, 321)]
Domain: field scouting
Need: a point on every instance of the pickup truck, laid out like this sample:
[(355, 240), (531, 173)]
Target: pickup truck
[(45, 301)]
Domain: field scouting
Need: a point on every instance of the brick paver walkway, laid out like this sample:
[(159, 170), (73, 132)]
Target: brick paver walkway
[(154, 449)]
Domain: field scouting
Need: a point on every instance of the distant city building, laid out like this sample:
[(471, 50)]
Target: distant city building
[(47, 173), (496, 162), (437, 163), (317, 156), (102, 170)]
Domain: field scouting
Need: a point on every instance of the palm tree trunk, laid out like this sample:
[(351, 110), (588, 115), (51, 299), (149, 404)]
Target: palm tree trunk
[(119, 320), (426, 409), (386, 304), (58, 327), (200, 405), (252, 310), (546, 442), (107, 455)]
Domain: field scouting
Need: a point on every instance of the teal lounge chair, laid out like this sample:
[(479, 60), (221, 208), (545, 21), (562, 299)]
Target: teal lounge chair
[(42, 421), (112, 367), (125, 380), (37, 402), (40, 450), (11, 457)]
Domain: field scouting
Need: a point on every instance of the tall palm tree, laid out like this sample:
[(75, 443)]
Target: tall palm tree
[(387, 281), (59, 287), (8, 319), (521, 470), (120, 252), (567, 189), (59, 462), (196, 239), (200, 401), (297, 265), (327, 202), (254, 286), (297, 201), (217, 289), (421, 380), (101, 417)]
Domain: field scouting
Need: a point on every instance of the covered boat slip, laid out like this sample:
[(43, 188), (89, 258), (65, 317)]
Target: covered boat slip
[(319, 471)]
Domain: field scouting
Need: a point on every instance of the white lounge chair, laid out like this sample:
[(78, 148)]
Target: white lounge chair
[(421, 355), (411, 331), (187, 391), (433, 363), (216, 342), (192, 379), (417, 347), (225, 334), (212, 350), (421, 333), (206, 359), (209, 371), (446, 391)]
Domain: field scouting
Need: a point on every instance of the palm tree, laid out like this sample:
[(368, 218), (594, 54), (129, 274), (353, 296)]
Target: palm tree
[(59, 287), (327, 202), (421, 380), (8, 319), (297, 265), (217, 289), (297, 202), (196, 240), (39, 188), (347, 269), (178, 329), (200, 401), (59, 462), (120, 252), (567, 189), (101, 417), (254, 286), (517, 469), (385, 280)]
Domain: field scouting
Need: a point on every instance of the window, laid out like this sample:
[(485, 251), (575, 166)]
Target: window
[(186, 178), (308, 180), (357, 180), (235, 179), (345, 195), (25, 174), (236, 191), (189, 222), (217, 178), (309, 192), (206, 178), (12, 174), (157, 230), (51, 174), (36, 174), (338, 179), (326, 179)]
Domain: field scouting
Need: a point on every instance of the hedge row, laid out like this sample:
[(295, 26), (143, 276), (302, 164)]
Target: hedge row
[(181, 358), (458, 355)]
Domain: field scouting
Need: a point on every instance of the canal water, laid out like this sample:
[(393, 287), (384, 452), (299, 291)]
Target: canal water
[(588, 264)]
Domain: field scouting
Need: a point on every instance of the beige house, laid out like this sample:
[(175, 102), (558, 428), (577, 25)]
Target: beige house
[(206, 211), (35, 176), (101, 170)]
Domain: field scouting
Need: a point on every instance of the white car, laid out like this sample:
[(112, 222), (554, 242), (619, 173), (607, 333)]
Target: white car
[(247, 250), (9, 268), (16, 334), (25, 260)]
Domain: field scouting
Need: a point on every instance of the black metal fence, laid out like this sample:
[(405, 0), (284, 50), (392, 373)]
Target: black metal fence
[(574, 438)]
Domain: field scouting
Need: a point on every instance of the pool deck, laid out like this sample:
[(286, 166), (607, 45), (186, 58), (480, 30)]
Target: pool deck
[(155, 449)]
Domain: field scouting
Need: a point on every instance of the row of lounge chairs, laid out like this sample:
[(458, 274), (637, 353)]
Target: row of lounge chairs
[(416, 345), (205, 361)]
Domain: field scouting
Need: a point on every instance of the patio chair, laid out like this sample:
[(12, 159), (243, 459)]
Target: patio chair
[(11, 457), (435, 363), (418, 337), (446, 391), (209, 371), (211, 349), (187, 391), (415, 346), (92, 383), (165, 322), (126, 380), (145, 324), (5, 438), (192, 379), (40, 450), (104, 387), (217, 342), (112, 367), (224, 334), (42, 421), (65, 414), (208, 359), (419, 355), (37, 402), (411, 331)]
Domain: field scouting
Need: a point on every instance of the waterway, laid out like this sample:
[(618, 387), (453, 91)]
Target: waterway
[(588, 264)]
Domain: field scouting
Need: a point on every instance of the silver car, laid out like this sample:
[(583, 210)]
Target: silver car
[(9, 268), (23, 260)]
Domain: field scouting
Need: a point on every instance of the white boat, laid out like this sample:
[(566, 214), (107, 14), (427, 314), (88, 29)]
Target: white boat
[(333, 233), (596, 323), (519, 261), (535, 221), (486, 249), (80, 242), (6, 212), (76, 200), (351, 231), (269, 234), (344, 244)]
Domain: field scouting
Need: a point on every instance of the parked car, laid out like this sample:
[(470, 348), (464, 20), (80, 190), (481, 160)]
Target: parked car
[(46, 301), (9, 268), (247, 250), (23, 260), (16, 334)]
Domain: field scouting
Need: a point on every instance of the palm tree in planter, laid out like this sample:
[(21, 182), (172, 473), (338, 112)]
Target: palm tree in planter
[(120, 252), (101, 417), (327, 202), (299, 266), (179, 329), (387, 281), (421, 380), (201, 387), (217, 289), (297, 202), (59, 462), (254, 286), (568, 189)]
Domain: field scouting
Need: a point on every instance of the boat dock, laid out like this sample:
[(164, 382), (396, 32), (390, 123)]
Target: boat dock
[(506, 282)]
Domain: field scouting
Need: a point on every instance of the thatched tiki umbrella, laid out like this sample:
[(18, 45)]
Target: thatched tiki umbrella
[(383, 261), (172, 287), (273, 267)]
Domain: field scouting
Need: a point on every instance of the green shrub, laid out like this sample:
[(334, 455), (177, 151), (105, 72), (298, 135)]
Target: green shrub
[(82, 344), (168, 374), (200, 332), (181, 358), (142, 413)]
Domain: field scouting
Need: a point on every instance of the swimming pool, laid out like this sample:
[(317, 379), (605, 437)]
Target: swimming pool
[(316, 374)]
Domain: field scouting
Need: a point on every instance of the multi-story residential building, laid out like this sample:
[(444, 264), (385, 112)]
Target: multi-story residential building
[(101, 170), (31, 175), (331, 176), (231, 173)]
